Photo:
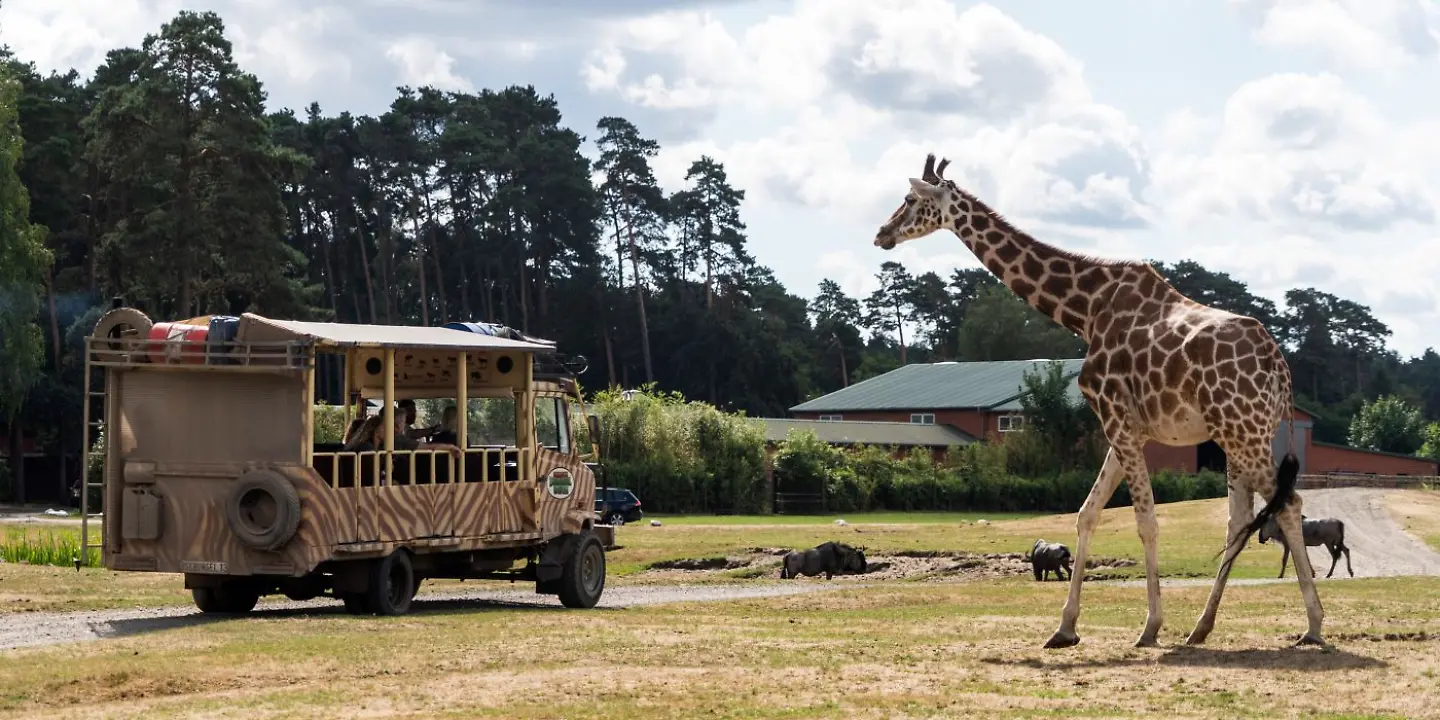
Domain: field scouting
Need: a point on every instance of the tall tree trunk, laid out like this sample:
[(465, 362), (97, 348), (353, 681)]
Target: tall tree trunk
[(420, 271), (709, 292), (609, 352), (900, 328), (331, 288), (17, 458), (58, 354), (440, 285), (365, 266), (640, 302)]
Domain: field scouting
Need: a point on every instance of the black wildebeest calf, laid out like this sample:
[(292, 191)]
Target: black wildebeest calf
[(830, 558), (1045, 557), (1329, 532)]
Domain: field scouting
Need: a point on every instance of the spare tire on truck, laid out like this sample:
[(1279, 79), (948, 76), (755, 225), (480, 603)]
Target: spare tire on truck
[(263, 509), (117, 323)]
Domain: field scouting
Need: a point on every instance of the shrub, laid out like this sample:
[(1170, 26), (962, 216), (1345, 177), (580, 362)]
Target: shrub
[(681, 456)]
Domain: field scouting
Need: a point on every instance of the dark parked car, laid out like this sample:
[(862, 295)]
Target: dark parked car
[(617, 506)]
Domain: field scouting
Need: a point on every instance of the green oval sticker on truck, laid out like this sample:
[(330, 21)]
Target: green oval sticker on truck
[(559, 483)]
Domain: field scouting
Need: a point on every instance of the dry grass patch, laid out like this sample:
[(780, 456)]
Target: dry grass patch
[(894, 651), (1418, 511)]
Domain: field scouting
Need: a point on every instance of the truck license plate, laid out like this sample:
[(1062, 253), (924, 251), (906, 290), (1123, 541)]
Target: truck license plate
[(213, 567)]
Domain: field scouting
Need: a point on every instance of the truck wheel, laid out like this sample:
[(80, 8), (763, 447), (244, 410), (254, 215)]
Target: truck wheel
[(356, 603), (582, 578), (392, 584), (228, 599), (263, 509)]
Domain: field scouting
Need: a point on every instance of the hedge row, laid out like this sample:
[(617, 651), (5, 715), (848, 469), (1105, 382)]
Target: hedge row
[(688, 457)]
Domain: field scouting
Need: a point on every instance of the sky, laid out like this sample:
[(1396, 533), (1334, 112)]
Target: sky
[(1290, 143)]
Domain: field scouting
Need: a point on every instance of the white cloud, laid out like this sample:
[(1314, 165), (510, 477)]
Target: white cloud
[(1302, 151), (422, 63), (1009, 106), (78, 33), (1369, 34)]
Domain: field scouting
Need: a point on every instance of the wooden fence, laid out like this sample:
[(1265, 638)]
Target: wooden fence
[(1339, 480)]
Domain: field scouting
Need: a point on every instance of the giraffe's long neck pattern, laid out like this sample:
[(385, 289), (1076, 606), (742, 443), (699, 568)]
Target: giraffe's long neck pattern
[(1062, 285)]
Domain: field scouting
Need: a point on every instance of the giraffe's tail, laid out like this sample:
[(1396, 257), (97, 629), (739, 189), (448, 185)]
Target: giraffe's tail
[(1286, 475)]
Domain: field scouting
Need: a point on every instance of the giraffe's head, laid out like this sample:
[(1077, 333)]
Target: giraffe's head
[(927, 207)]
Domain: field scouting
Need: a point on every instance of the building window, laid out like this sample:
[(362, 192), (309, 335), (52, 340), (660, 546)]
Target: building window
[(1010, 423), (831, 418), (922, 418)]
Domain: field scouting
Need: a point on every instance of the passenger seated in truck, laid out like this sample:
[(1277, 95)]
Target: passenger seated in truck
[(447, 433), (370, 438), (407, 409)]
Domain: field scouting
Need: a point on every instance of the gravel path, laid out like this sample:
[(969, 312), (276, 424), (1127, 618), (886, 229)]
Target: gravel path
[(32, 629)]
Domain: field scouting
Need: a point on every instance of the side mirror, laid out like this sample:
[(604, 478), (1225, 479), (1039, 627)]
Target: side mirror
[(593, 423)]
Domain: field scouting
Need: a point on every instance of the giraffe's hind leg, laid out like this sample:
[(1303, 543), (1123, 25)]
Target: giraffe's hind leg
[(1242, 511), (1290, 525)]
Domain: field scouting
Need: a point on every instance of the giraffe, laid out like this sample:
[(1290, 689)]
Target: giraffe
[(1158, 366)]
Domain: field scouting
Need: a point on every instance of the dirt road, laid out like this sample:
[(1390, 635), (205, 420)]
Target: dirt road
[(1379, 547)]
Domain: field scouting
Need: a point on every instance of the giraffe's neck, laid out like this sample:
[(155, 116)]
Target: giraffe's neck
[(1064, 286)]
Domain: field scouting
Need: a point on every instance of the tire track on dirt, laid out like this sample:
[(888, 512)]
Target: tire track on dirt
[(19, 630)]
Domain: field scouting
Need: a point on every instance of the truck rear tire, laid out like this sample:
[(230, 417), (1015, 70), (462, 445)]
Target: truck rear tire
[(582, 577), (229, 599), (392, 584)]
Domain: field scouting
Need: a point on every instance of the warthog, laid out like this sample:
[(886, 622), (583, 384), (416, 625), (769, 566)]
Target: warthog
[(1328, 531), (830, 558), (1045, 557)]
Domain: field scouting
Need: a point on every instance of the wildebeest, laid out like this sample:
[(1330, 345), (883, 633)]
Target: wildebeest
[(1327, 531), (1047, 556), (830, 558)]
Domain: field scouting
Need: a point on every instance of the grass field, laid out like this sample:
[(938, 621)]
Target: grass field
[(1419, 513), (893, 650)]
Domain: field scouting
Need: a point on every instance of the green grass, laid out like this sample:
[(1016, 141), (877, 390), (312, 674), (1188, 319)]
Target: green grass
[(874, 518), (42, 545)]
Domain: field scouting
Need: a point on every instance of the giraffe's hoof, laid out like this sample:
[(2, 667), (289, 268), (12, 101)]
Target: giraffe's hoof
[(1308, 639), (1062, 640), (1197, 637), (1146, 642)]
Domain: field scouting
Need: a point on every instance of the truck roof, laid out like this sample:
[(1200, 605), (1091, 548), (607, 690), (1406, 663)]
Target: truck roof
[(395, 336)]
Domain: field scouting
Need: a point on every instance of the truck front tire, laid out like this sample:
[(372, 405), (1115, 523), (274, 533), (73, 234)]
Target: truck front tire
[(582, 575)]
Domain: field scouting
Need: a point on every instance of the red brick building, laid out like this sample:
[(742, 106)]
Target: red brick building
[(982, 400)]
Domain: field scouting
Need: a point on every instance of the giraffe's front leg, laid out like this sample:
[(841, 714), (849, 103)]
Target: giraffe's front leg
[(1100, 492), (1142, 498)]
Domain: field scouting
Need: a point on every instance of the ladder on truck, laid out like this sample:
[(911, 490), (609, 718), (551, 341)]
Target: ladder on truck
[(92, 476)]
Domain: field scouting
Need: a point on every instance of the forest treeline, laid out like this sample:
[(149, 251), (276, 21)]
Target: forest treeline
[(165, 178)]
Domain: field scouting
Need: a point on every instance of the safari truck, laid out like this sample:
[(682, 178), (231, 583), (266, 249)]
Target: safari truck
[(210, 468)]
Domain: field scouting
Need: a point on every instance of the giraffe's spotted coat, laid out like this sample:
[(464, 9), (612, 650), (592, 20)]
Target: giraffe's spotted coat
[(1159, 366)]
